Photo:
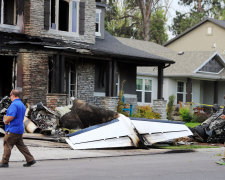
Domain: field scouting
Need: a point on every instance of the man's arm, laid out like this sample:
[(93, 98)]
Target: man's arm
[(7, 119)]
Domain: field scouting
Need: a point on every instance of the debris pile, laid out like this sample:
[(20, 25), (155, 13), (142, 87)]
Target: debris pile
[(83, 115), (96, 127), (4, 104), (211, 130), (46, 119)]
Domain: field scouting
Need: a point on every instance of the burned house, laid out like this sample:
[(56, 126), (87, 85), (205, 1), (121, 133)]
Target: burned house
[(54, 50)]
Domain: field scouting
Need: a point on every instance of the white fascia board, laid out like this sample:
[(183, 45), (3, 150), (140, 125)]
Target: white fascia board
[(214, 54)]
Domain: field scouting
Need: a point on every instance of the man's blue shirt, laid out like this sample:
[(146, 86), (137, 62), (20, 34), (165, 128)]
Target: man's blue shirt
[(17, 110)]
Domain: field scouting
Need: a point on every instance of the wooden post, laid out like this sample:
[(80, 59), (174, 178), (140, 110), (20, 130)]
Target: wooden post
[(160, 82), (114, 78), (109, 79), (189, 90), (215, 99), (62, 69), (57, 75)]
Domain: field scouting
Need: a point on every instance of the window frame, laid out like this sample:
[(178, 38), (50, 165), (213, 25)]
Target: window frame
[(15, 27), (98, 12), (143, 91), (183, 93), (70, 32)]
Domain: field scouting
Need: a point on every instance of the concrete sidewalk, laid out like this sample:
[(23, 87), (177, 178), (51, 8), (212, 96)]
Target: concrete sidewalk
[(46, 150)]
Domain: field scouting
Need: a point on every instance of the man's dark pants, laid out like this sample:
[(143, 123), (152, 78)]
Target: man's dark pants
[(11, 139)]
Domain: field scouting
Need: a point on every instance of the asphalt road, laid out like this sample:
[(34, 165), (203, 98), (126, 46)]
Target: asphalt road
[(170, 166)]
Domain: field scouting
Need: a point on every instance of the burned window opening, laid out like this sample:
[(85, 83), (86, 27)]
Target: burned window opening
[(70, 74), (8, 12), (53, 14), (100, 77), (51, 72), (7, 75), (63, 15), (62, 80)]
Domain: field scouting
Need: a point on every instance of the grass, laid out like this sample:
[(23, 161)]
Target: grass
[(192, 125), (183, 147)]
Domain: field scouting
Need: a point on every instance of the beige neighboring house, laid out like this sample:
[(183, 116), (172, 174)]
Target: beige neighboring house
[(208, 35), (198, 74)]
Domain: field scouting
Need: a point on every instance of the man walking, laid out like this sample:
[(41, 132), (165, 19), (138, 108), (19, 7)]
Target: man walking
[(14, 129)]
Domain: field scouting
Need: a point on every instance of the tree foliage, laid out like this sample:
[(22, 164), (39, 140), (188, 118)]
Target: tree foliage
[(199, 10), (137, 19)]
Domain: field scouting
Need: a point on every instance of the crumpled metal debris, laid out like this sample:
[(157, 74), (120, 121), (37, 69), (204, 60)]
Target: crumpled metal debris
[(4, 104), (46, 119), (211, 130)]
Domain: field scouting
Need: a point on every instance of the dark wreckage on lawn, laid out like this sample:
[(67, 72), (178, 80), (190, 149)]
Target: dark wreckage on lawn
[(96, 127)]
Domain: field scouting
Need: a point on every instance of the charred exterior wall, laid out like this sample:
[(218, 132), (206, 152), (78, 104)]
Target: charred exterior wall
[(56, 100), (86, 88), (35, 77), (34, 13), (85, 81)]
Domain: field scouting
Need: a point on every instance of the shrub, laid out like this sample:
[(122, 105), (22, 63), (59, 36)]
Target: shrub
[(146, 112), (199, 118), (185, 114), (170, 107)]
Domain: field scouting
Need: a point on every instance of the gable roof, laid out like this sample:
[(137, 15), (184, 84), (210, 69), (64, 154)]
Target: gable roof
[(187, 64), (113, 47), (220, 23), (218, 60)]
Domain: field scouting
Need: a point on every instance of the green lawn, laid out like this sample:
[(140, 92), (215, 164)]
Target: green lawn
[(192, 125), (183, 147)]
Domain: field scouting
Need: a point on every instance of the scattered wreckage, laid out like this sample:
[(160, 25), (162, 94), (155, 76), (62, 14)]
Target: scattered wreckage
[(97, 127), (212, 130)]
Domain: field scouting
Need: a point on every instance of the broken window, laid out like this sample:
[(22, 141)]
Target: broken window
[(62, 75), (71, 78), (8, 12), (7, 75), (53, 14), (100, 77), (64, 15)]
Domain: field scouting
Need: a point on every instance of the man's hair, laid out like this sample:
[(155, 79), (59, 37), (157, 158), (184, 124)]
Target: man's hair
[(15, 92)]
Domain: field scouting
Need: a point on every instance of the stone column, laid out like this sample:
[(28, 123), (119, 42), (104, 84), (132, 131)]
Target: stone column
[(109, 103), (159, 106)]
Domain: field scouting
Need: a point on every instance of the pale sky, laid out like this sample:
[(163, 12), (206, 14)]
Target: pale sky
[(172, 12)]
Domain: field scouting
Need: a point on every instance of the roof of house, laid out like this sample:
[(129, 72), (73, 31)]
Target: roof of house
[(220, 23), (186, 63), (115, 47)]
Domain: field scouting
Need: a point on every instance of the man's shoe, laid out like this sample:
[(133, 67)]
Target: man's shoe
[(5, 165), (28, 164)]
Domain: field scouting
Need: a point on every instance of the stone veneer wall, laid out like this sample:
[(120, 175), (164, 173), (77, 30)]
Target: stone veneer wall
[(159, 106), (109, 103), (86, 87), (35, 73), (34, 22), (85, 81), (56, 100)]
